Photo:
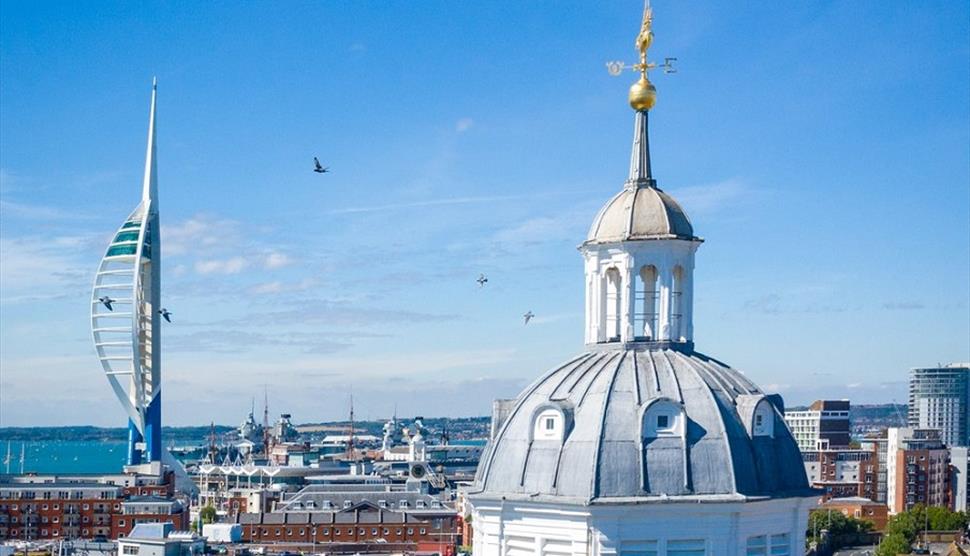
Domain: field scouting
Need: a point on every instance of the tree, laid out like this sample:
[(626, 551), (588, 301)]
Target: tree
[(893, 544), (842, 530), (208, 514)]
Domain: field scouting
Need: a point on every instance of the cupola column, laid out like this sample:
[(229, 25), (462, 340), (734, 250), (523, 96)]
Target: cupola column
[(628, 302)]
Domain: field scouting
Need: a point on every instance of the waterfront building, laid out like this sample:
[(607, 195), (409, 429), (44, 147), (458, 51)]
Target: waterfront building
[(842, 473), (939, 398), (640, 445), (85, 506), (824, 425), (918, 469), (126, 318)]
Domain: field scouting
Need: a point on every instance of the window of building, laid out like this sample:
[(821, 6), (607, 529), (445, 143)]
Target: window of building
[(663, 418), (129, 549), (336, 532), (347, 503), (423, 531), (121, 523), (780, 545), (326, 532), (373, 532), (386, 532), (757, 546), (687, 547), (302, 532), (410, 531), (382, 503)]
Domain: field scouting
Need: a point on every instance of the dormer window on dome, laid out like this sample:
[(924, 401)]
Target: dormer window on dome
[(551, 421), (663, 418)]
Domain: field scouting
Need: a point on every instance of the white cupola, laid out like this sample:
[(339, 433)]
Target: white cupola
[(639, 258)]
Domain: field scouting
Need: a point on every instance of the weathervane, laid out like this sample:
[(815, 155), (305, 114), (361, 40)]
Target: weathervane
[(642, 93)]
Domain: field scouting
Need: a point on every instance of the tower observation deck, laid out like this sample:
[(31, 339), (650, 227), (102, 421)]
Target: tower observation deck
[(125, 320)]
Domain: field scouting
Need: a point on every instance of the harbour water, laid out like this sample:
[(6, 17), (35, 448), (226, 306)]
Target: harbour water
[(79, 456)]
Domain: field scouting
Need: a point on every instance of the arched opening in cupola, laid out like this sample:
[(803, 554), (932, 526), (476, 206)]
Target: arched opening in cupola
[(645, 313), (613, 304)]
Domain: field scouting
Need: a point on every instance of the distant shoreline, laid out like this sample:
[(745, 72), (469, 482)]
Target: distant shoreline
[(199, 432)]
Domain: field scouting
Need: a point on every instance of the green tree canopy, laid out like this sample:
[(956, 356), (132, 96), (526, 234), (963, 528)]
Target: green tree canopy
[(892, 545), (208, 514)]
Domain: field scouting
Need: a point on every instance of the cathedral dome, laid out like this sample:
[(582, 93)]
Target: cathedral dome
[(640, 424), (640, 213)]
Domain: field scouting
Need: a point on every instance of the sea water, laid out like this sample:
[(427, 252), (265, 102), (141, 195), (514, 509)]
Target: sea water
[(64, 456)]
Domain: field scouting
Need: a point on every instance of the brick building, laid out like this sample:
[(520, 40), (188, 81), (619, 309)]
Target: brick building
[(843, 473), (85, 506), (918, 469), (859, 508), (414, 520)]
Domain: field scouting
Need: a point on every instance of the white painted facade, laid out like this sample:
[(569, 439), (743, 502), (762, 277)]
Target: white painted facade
[(710, 528), (640, 290)]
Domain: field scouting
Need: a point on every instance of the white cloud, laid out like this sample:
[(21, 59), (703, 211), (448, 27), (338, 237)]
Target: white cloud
[(464, 125), (277, 260), (45, 268), (198, 231), (277, 286), (712, 197), (232, 265)]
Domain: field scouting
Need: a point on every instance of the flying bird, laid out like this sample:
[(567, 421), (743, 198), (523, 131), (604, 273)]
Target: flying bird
[(482, 280), (528, 316), (319, 168), (165, 314), (106, 301)]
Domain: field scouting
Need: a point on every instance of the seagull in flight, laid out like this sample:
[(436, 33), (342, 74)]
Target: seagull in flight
[(482, 280), (165, 314), (528, 316), (319, 168), (106, 301)]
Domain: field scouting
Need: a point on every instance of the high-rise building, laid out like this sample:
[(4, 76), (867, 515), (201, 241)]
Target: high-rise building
[(918, 469), (640, 445), (126, 316), (824, 425), (939, 398)]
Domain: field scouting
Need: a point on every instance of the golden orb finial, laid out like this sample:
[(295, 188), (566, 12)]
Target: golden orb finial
[(643, 95)]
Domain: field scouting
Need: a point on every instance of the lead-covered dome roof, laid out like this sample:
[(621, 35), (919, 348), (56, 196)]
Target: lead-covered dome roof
[(640, 213), (639, 424)]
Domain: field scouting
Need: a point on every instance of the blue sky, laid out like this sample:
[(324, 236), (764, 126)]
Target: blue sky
[(821, 149)]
